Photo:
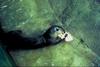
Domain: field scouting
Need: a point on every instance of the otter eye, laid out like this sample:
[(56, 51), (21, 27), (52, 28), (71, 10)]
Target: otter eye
[(56, 29)]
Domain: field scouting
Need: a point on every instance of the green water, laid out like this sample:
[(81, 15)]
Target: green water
[(80, 17)]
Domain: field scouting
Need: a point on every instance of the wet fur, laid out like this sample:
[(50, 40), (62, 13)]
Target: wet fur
[(14, 40)]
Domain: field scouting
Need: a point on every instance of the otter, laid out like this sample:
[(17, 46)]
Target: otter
[(14, 40)]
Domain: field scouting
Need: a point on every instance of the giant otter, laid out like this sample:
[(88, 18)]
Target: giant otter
[(14, 40)]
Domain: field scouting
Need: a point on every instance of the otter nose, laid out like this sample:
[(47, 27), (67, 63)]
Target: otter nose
[(68, 37)]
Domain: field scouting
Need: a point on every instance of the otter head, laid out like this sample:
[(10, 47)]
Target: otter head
[(56, 34)]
